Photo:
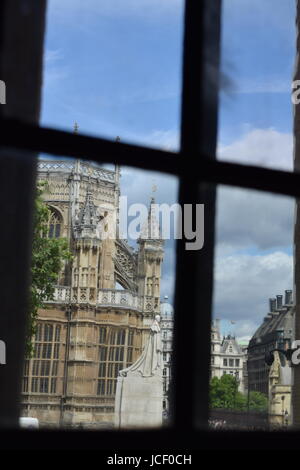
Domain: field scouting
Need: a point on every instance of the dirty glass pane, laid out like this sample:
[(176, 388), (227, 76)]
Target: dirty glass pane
[(258, 54), (253, 311), (114, 68)]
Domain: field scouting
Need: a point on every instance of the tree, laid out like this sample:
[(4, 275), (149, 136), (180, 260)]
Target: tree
[(258, 402), (223, 391), (224, 394), (48, 256)]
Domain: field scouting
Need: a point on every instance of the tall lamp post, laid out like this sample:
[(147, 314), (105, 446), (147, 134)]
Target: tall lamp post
[(286, 418), (237, 385), (248, 400), (282, 409)]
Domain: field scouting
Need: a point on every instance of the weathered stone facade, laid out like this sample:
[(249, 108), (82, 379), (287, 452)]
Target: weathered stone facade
[(103, 306), (280, 380)]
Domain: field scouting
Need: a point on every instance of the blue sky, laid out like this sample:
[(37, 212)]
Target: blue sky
[(114, 67), (116, 70), (258, 59)]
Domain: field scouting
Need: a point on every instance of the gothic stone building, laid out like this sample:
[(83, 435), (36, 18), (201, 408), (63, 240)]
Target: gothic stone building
[(103, 304)]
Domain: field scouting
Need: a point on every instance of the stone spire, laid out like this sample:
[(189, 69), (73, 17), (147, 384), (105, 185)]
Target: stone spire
[(117, 193), (150, 257), (86, 223), (150, 230)]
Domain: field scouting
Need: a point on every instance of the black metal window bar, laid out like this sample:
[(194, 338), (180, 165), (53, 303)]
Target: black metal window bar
[(21, 139)]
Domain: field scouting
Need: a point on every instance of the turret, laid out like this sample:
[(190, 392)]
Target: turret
[(150, 257), (87, 252)]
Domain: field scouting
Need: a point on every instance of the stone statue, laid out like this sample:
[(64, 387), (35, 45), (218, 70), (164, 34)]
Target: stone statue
[(139, 388), (150, 359)]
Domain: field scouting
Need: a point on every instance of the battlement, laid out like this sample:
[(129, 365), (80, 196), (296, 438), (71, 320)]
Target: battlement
[(79, 167)]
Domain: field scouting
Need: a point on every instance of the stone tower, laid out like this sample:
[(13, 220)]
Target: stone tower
[(150, 257)]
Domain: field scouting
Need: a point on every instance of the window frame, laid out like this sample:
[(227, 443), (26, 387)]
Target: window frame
[(198, 147)]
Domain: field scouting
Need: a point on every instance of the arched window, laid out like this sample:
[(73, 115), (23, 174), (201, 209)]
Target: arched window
[(54, 224)]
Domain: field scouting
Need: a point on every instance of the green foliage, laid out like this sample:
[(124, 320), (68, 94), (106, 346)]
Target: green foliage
[(258, 401), (224, 394), (223, 391), (48, 256)]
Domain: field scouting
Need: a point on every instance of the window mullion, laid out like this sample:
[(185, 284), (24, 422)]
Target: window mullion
[(194, 275), (21, 51)]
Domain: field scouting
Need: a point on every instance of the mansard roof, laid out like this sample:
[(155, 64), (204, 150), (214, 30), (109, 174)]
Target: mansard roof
[(230, 341), (274, 322)]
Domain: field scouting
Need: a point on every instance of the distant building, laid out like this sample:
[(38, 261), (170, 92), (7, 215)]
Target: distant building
[(227, 356), (276, 331), (167, 323)]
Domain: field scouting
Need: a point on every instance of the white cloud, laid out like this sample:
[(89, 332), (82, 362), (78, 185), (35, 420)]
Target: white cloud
[(55, 70), (54, 76), (269, 84), (264, 147), (161, 139), (254, 234), (243, 284), (246, 338), (252, 220), (242, 329), (53, 55), (166, 140)]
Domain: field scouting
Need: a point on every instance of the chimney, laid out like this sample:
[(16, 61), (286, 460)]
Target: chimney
[(272, 305), (288, 297), (268, 317), (279, 301), (217, 324)]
